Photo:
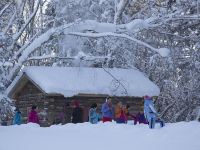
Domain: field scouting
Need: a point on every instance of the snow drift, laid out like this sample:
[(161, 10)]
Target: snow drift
[(107, 136)]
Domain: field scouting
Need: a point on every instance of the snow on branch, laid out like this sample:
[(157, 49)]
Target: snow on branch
[(92, 25), (10, 21), (25, 51), (166, 109), (178, 114), (104, 29), (164, 52), (119, 10), (81, 29), (85, 57), (3, 10), (17, 35), (109, 29), (18, 53), (30, 48)]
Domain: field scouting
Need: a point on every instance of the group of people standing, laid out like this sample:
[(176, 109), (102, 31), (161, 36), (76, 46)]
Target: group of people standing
[(108, 113), (120, 113)]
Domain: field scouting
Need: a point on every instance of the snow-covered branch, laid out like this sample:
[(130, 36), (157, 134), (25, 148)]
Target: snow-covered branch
[(166, 109), (26, 50), (105, 29), (3, 10), (10, 22), (178, 114), (119, 10), (35, 44), (17, 35), (164, 52), (18, 53), (85, 58)]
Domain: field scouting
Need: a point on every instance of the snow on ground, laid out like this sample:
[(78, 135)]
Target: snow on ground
[(107, 136)]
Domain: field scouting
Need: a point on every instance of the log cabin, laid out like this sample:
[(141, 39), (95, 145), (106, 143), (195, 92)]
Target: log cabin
[(53, 89)]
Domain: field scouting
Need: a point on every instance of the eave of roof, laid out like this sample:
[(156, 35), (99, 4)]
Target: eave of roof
[(17, 81)]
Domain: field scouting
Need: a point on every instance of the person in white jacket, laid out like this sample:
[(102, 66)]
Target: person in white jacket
[(150, 112)]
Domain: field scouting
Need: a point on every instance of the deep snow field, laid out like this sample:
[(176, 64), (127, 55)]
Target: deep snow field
[(107, 136)]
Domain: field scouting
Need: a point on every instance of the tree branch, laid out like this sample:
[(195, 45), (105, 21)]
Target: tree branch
[(118, 81), (119, 10), (10, 22), (16, 37), (3, 10), (99, 35)]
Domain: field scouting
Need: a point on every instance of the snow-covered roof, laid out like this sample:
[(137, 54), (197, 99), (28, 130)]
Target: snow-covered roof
[(70, 81)]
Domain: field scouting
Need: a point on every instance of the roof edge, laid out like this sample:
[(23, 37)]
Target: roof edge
[(10, 91)]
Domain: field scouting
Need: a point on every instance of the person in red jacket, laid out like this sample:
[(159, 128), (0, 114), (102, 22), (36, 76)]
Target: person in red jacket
[(33, 116)]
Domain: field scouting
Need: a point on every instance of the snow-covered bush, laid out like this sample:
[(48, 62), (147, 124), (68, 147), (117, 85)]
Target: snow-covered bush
[(6, 109)]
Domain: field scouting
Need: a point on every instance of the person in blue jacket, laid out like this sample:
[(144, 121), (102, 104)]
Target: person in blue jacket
[(94, 117), (17, 117), (150, 113), (107, 110)]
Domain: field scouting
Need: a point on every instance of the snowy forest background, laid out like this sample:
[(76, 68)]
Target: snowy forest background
[(159, 37)]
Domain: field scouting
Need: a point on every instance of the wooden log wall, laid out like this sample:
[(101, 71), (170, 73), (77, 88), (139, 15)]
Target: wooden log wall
[(136, 104), (58, 109)]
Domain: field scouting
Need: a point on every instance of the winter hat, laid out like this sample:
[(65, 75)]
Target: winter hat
[(107, 99), (94, 105), (34, 107), (147, 97), (76, 103), (16, 109)]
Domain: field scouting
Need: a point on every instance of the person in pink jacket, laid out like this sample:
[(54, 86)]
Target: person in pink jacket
[(33, 116)]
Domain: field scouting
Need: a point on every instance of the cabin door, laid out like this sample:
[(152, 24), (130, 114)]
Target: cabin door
[(85, 114)]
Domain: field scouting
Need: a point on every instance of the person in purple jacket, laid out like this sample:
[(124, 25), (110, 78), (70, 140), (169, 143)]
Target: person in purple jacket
[(140, 118), (107, 110), (33, 116)]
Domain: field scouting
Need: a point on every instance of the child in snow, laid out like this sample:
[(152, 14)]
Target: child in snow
[(150, 113), (17, 117), (33, 115), (140, 118), (94, 117), (127, 113), (120, 116), (107, 110)]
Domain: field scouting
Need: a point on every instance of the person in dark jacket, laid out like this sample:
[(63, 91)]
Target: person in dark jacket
[(77, 113), (17, 117)]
